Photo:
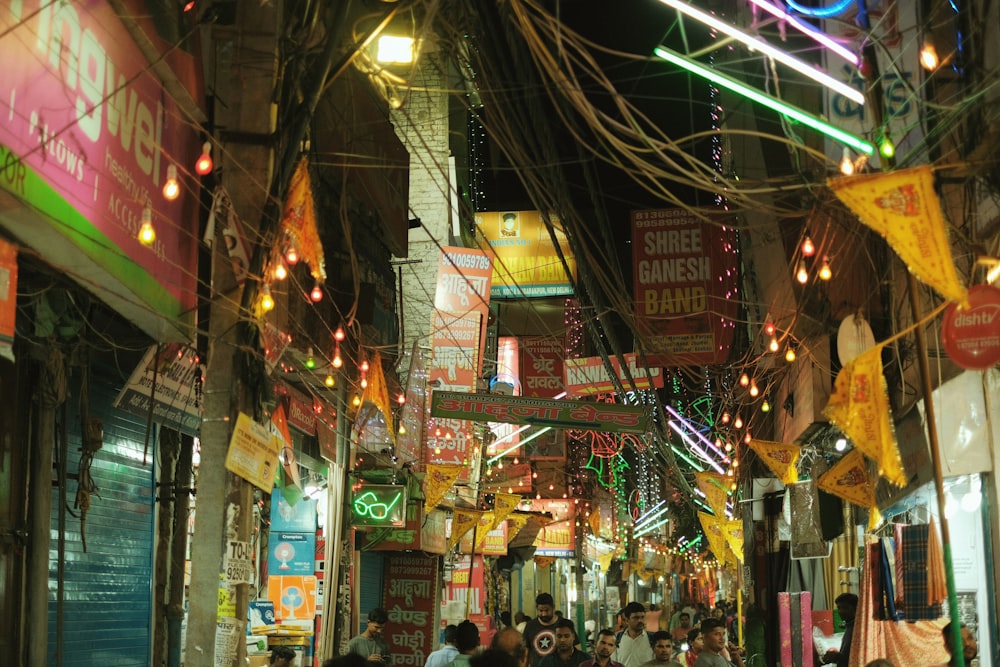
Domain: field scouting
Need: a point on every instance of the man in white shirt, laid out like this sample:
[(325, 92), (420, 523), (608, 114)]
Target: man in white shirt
[(634, 646), (446, 653)]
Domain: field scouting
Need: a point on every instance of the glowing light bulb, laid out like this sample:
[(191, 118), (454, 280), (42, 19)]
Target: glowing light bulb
[(725, 417), (886, 148), (773, 345), (402, 429), (204, 165), (330, 381), (316, 294), (310, 359), (744, 380), (769, 328), (401, 399), (802, 275), (339, 334), (292, 256), (765, 406), (437, 450), (357, 401), (808, 247), (747, 438), (280, 272), (337, 361), (738, 423), (754, 391), (824, 271), (790, 354), (171, 188), (929, 59), (147, 235), (364, 383), (364, 366), (840, 445), (266, 300), (846, 164)]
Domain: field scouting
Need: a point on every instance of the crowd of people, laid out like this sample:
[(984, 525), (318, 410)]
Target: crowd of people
[(690, 636)]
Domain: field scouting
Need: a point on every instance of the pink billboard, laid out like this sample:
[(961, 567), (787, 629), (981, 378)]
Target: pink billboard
[(87, 136), (685, 278)]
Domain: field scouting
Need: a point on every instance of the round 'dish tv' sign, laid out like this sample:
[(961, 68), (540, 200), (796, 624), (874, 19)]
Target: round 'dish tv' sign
[(971, 336)]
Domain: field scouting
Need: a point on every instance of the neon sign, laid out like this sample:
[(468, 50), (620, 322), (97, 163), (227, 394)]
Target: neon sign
[(379, 505)]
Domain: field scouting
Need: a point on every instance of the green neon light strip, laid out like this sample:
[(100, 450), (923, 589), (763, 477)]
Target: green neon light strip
[(691, 544), (696, 466), (787, 110)]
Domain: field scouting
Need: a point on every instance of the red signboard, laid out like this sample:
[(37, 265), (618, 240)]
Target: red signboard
[(409, 594), (459, 592), (587, 376), (418, 534), (685, 280), (542, 366), (463, 281), (971, 336)]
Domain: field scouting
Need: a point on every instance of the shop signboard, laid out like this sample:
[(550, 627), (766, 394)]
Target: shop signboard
[(409, 596), (418, 533), (92, 132), (587, 376), (464, 589), (527, 262), (168, 373), (557, 538), (488, 543), (291, 553), (580, 415), (542, 366), (685, 283), (253, 453)]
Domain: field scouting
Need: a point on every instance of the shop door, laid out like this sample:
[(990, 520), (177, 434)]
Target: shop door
[(12, 528)]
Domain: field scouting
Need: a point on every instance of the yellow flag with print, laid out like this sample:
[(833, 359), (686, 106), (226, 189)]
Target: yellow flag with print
[(848, 479), (486, 524), (859, 407), (903, 207), (517, 522), (714, 485), (437, 482), (716, 540), (779, 457), (503, 505), (462, 522), (733, 532)]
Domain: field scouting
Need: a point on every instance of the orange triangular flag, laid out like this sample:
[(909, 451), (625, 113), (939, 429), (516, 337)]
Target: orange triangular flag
[(848, 479), (437, 482), (377, 393), (462, 522), (779, 457), (298, 221), (859, 407), (903, 207)]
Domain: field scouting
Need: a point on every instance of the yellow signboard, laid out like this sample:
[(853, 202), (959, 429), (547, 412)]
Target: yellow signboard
[(253, 453), (526, 262)]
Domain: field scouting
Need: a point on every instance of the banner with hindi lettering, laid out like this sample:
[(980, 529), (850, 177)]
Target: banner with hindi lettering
[(542, 365), (409, 596)]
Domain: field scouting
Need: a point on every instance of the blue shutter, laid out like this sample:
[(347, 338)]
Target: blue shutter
[(370, 582)]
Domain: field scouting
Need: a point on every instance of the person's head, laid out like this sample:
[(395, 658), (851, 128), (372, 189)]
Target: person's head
[(718, 612), (685, 619), (696, 640), (565, 635), (663, 646), (557, 614), (450, 633), (519, 617), (511, 642), (505, 618), (544, 606), (377, 618), (847, 606), (282, 656), (635, 617), (467, 639), (970, 649), (606, 644), (714, 632), (493, 658)]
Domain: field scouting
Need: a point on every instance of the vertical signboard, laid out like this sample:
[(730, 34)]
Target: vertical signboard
[(685, 279), (409, 597), (542, 366)]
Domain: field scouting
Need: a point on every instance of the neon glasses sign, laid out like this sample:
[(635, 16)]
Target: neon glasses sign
[(379, 505)]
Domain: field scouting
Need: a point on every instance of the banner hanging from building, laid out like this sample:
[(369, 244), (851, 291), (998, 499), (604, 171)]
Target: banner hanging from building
[(527, 263), (542, 366), (686, 283), (588, 376), (169, 377), (409, 596)]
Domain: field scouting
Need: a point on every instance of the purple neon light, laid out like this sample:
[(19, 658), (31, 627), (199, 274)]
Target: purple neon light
[(694, 446), (697, 434), (810, 31)]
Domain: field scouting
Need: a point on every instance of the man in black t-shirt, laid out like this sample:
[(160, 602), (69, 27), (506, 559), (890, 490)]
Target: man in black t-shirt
[(540, 632)]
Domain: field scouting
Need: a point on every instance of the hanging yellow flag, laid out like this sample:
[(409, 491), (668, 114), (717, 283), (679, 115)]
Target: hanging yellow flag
[(462, 522), (298, 222), (848, 479), (713, 531), (437, 482), (517, 522), (503, 505), (377, 393), (859, 407), (903, 207), (594, 520), (779, 457), (486, 524), (733, 532), (714, 486)]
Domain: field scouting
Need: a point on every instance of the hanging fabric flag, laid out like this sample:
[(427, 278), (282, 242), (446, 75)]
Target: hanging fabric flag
[(503, 505), (377, 393), (733, 532), (859, 407), (298, 221), (848, 479), (594, 521), (462, 522), (714, 486), (903, 207), (485, 525), (779, 457), (517, 522), (716, 540), (437, 482)]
